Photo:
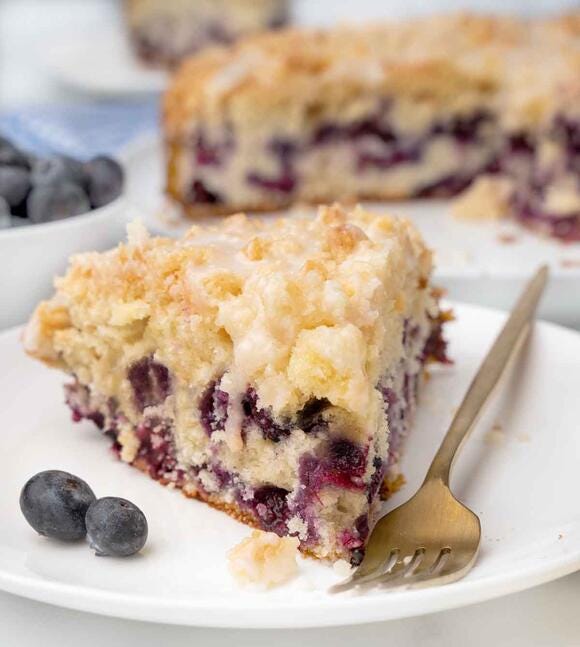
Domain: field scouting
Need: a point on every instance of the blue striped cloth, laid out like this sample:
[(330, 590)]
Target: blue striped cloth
[(79, 130)]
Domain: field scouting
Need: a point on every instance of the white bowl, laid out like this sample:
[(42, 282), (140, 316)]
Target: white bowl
[(31, 256)]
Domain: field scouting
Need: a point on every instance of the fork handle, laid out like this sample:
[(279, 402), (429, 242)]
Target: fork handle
[(488, 375)]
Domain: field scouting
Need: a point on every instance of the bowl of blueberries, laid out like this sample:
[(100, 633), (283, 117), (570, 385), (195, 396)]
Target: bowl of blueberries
[(51, 207)]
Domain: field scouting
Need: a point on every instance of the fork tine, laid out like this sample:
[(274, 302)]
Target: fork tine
[(423, 565), (446, 568), (395, 568), (360, 576)]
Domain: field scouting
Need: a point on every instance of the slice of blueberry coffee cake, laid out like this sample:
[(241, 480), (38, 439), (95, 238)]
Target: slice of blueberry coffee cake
[(395, 111), (268, 368), (163, 32)]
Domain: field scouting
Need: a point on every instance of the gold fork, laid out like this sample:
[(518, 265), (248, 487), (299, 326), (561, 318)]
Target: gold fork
[(433, 538)]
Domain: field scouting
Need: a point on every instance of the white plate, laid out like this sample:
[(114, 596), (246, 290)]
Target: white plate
[(524, 485), (473, 262), (101, 63)]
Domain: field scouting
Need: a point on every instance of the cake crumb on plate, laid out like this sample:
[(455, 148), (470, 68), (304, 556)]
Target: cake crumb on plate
[(265, 559), (342, 568), (486, 199)]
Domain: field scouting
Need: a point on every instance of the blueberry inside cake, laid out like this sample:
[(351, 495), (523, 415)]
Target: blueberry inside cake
[(269, 368), (402, 110), (163, 32)]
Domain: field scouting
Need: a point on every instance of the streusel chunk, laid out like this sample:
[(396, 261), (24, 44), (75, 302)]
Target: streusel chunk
[(264, 559)]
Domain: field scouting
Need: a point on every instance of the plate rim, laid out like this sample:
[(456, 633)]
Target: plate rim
[(353, 609)]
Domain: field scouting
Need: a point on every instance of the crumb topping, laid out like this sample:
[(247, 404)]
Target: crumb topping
[(521, 69), (298, 308)]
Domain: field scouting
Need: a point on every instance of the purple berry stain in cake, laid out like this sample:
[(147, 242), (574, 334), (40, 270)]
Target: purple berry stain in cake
[(270, 505), (311, 417), (464, 129), (150, 381), (212, 153), (342, 466), (345, 464), (356, 536), (201, 194), (390, 148), (78, 399), (261, 418), (390, 158), (157, 451), (435, 348), (376, 478), (446, 187), (285, 181), (213, 408), (567, 132)]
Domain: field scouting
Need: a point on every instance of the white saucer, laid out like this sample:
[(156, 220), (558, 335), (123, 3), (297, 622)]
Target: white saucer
[(519, 473), (101, 63)]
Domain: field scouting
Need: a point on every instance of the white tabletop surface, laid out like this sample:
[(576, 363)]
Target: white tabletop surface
[(546, 615)]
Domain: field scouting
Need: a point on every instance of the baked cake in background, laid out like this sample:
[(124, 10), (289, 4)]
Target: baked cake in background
[(269, 368), (394, 111), (163, 32)]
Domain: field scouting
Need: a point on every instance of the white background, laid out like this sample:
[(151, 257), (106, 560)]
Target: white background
[(548, 615)]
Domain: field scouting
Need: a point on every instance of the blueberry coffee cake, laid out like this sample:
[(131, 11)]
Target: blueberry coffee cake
[(270, 369), (401, 110), (163, 32)]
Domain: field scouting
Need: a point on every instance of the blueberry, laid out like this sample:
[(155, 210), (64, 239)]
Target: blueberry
[(271, 506), (11, 156), (105, 180), (55, 504), (311, 417), (116, 527), (346, 458), (14, 184), (151, 382), (213, 408), (200, 193), (271, 430), (58, 169), (56, 201)]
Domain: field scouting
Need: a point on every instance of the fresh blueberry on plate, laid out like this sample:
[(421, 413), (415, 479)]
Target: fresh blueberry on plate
[(116, 527), (50, 202), (55, 504)]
